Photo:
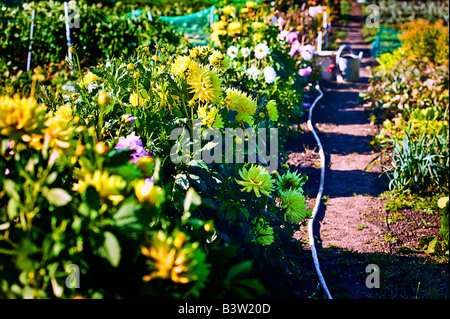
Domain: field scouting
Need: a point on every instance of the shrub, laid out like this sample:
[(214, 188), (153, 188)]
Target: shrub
[(423, 40)]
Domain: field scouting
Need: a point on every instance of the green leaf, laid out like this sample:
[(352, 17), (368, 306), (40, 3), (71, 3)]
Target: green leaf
[(192, 197), (57, 196), (118, 157), (143, 93), (92, 197), (181, 179), (10, 188), (240, 269), (110, 250), (129, 220), (12, 208), (197, 181)]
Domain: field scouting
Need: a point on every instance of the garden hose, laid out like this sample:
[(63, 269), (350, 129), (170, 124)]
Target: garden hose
[(318, 198)]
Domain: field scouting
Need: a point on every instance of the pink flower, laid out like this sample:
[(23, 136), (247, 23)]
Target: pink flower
[(134, 143), (292, 36), (307, 52), (295, 48), (305, 71), (279, 22)]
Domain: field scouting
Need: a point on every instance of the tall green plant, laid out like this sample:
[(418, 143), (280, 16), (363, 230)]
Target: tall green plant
[(419, 164)]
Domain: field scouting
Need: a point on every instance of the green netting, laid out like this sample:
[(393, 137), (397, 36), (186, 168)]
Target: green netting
[(194, 26), (386, 41)]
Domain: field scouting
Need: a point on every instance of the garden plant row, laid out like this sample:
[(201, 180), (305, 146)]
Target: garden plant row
[(124, 173), (410, 95)]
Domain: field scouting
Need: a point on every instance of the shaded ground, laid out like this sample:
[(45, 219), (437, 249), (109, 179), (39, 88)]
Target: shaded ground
[(353, 229)]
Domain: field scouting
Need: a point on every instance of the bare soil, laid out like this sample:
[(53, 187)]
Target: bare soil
[(353, 228)]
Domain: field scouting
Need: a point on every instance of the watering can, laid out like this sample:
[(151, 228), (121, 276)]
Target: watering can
[(347, 65)]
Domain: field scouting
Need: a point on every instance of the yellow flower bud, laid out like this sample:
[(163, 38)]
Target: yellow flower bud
[(136, 75), (130, 67), (149, 193), (101, 148), (103, 98), (79, 150)]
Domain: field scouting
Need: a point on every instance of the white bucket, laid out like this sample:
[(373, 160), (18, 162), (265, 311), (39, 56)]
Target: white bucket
[(323, 60)]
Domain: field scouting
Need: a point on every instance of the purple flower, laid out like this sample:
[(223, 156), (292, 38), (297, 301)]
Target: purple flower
[(306, 105), (305, 72), (279, 22), (127, 118), (134, 143), (295, 48), (292, 36)]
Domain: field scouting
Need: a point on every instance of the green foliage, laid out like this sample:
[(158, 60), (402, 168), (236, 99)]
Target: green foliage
[(159, 228), (410, 91), (417, 166), (395, 11), (422, 40), (100, 35)]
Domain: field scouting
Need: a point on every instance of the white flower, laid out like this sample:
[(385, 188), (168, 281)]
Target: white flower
[(307, 52), (269, 74), (283, 35), (232, 52), (245, 52), (261, 50), (253, 72)]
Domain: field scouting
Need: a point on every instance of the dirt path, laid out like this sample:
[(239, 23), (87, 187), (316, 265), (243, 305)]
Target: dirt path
[(351, 230), (345, 131)]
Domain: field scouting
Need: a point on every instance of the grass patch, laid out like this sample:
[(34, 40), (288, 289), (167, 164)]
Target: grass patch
[(425, 203)]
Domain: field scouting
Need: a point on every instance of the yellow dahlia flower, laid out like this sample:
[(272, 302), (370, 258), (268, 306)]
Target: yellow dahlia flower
[(272, 110), (234, 28), (210, 116), (205, 84), (20, 116), (64, 112), (107, 186), (219, 25), (173, 257), (135, 100), (58, 133), (229, 10), (218, 60), (87, 79), (180, 66), (256, 179), (215, 36), (294, 203), (239, 101)]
